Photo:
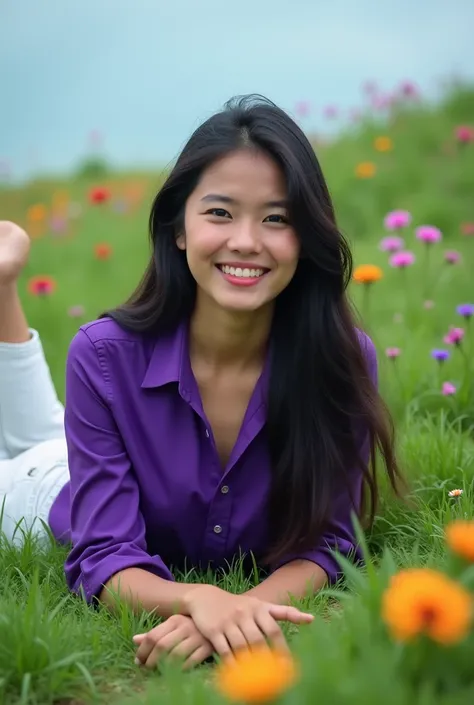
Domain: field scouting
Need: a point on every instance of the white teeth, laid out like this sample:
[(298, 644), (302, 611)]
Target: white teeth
[(239, 272)]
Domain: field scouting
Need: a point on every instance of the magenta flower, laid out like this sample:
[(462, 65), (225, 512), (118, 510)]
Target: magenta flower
[(454, 337), (465, 310), (393, 353), (409, 89), (392, 243), (428, 234), (396, 220), (400, 260), (448, 389), (464, 134), (452, 256)]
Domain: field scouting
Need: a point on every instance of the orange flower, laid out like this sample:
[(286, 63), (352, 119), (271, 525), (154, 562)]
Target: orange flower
[(365, 170), (36, 213), (103, 251), (367, 274), (383, 144), (423, 601), (460, 538), (256, 676), (41, 285)]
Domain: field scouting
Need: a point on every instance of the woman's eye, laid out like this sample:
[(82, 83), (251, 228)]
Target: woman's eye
[(219, 212), (276, 218)]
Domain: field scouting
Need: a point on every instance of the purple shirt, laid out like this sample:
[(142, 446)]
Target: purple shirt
[(147, 488)]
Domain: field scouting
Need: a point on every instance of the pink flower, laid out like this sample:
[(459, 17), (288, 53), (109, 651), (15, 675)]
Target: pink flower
[(391, 244), (303, 108), (393, 353), (452, 256), (395, 220), (330, 112), (409, 89), (454, 337), (467, 228), (76, 311), (464, 134), (428, 234), (381, 102), (428, 305), (400, 260), (448, 389)]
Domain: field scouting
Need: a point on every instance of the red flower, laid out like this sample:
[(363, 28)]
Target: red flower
[(467, 228), (98, 195), (41, 285), (103, 251)]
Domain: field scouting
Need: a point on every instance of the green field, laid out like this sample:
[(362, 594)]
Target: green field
[(54, 649)]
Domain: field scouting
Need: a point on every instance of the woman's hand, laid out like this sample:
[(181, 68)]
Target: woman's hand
[(232, 622), (177, 637)]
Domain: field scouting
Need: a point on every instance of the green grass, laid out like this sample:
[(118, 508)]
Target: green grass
[(53, 648)]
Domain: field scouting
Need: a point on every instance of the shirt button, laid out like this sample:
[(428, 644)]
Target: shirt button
[(217, 529), (207, 433), (224, 489)]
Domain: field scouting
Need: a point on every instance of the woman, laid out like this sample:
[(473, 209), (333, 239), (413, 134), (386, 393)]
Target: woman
[(230, 406)]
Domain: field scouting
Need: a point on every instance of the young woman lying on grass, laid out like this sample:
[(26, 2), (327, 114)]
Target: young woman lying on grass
[(229, 406)]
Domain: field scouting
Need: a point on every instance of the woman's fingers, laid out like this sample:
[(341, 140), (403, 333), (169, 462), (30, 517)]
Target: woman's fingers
[(221, 645), (236, 638), (198, 656), (153, 648), (286, 613), (270, 628), (252, 633)]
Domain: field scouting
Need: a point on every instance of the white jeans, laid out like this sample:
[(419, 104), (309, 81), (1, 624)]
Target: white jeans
[(33, 453)]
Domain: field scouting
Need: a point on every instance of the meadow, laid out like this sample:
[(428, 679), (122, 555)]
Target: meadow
[(406, 172)]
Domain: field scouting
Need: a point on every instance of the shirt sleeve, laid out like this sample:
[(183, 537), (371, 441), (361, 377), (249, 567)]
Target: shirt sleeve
[(107, 528), (339, 535)]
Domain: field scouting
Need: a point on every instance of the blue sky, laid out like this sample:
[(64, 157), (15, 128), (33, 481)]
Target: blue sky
[(147, 72)]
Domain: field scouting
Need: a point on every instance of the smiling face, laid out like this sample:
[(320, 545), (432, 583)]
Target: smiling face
[(240, 246)]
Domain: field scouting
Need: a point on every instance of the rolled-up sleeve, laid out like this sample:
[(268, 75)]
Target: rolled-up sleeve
[(339, 534), (107, 528)]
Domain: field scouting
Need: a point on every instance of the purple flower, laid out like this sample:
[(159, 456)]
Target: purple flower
[(440, 355), (392, 243), (402, 259), (428, 234), (396, 220), (465, 310)]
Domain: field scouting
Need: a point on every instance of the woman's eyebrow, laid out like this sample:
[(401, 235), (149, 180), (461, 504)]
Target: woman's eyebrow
[(227, 199)]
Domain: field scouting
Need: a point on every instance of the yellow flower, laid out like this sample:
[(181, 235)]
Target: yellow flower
[(365, 170), (256, 676), (460, 538), (36, 213), (383, 144), (367, 274), (424, 601)]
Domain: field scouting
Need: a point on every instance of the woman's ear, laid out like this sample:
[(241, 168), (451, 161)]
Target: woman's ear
[(181, 241)]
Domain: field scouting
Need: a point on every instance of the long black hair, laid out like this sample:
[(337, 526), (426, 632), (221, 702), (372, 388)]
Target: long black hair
[(321, 401)]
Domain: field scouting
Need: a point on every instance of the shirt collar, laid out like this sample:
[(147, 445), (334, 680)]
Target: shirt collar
[(169, 360)]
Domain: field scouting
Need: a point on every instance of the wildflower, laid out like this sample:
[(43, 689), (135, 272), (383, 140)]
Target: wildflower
[(36, 213), (41, 285), (393, 353), (259, 675), (383, 144), (330, 112), (454, 337), (423, 601), (58, 224), (460, 538), (76, 311), (464, 134), (400, 260), (391, 244), (98, 195), (467, 228), (103, 251), (428, 304), (428, 234), (452, 256), (448, 389), (455, 493), (365, 170), (440, 355), (302, 108), (409, 89), (465, 310), (367, 274), (396, 220)]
